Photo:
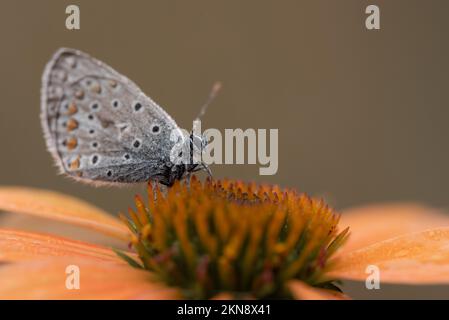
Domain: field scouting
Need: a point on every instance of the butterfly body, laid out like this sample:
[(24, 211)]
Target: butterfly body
[(101, 128)]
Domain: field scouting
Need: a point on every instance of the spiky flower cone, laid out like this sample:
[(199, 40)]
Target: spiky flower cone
[(230, 236)]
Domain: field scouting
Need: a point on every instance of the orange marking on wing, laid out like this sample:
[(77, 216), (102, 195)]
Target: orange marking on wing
[(75, 164), (72, 109), (72, 143), (72, 124)]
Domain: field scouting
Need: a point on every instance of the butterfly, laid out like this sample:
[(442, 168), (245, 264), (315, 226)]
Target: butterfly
[(101, 128)]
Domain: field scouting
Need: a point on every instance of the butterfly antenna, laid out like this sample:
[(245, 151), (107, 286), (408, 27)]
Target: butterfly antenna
[(212, 95)]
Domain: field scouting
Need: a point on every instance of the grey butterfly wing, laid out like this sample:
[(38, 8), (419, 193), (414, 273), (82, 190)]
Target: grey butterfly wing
[(99, 126)]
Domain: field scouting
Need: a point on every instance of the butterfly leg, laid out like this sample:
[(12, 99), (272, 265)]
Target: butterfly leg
[(205, 167), (154, 185), (208, 170), (188, 177), (164, 189)]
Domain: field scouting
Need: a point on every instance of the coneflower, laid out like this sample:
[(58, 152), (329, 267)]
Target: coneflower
[(234, 237)]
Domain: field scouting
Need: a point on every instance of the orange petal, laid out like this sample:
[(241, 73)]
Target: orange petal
[(19, 246), (35, 224), (371, 224), (46, 279), (417, 258), (302, 291), (56, 206)]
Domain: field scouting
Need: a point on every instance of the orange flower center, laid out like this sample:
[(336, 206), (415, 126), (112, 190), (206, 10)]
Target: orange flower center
[(230, 236)]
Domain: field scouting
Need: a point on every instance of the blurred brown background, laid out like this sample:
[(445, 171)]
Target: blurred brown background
[(362, 115)]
